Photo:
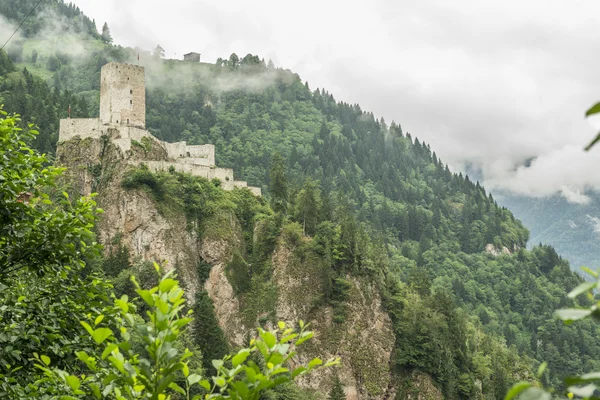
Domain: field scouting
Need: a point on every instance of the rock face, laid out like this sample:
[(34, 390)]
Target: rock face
[(132, 216), (491, 249), (364, 339)]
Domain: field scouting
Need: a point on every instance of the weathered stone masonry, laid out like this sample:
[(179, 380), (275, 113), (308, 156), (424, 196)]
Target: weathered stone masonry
[(123, 121)]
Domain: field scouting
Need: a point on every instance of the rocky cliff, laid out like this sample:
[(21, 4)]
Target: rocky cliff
[(364, 339)]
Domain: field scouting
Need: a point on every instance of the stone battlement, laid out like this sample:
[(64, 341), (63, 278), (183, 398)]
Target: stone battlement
[(123, 119)]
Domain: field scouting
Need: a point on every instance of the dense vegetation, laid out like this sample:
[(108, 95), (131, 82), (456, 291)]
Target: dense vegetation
[(375, 201)]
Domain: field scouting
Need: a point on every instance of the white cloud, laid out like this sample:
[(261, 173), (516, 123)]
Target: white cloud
[(487, 83), (595, 222)]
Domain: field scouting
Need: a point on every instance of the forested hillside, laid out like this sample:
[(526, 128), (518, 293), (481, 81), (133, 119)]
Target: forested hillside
[(373, 199)]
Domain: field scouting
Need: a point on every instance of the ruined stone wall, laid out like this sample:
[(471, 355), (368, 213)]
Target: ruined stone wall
[(71, 128), (123, 95), (202, 151), (224, 174), (196, 161), (175, 150)]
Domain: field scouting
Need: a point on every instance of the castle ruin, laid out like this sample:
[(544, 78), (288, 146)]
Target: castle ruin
[(123, 121)]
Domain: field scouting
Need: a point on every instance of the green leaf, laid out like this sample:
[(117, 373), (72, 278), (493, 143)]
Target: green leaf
[(217, 364), (591, 376), (109, 349), (534, 393), (298, 371), (240, 357), (45, 359), (314, 362), (305, 336), (166, 285), (146, 296), (593, 142), (99, 319), (595, 109), (516, 390), (82, 356), (572, 314), (194, 378), (332, 362), (205, 384), (542, 369), (262, 347), (583, 391), (101, 334), (590, 271), (577, 380), (177, 388), (269, 338), (96, 390), (87, 327), (73, 382), (219, 381), (583, 288)]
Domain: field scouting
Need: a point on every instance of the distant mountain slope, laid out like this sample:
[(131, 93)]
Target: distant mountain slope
[(573, 229)]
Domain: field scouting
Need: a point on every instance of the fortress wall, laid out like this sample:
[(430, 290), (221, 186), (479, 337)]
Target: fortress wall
[(175, 150), (202, 151), (196, 161), (195, 170), (243, 184), (255, 190), (135, 133), (225, 175), (70, 128)]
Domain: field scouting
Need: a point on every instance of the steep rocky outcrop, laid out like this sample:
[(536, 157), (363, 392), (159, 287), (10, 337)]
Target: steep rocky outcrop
[(363, 338)]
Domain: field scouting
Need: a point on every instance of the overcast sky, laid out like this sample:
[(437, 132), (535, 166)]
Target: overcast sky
[(486, 83)]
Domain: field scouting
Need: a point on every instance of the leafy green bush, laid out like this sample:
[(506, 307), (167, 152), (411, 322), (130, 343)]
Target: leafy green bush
[(143, 177), (122, 372)]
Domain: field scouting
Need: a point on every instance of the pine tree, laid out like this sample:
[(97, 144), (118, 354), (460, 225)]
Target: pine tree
[(337, 391), (278, 185), (308, 204), (106, 37), (207, 332)]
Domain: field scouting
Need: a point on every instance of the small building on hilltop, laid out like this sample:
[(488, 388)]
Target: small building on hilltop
[(122, 121), (192, 57)]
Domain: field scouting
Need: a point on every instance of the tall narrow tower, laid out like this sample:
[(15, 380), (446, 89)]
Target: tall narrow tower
[(123, 95)]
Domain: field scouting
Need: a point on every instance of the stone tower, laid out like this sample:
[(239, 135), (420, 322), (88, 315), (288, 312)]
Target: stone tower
[(123, 95)]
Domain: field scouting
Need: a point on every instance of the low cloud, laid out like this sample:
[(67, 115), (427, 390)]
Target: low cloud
[(569, 171), (595, 222), (7, 28)]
